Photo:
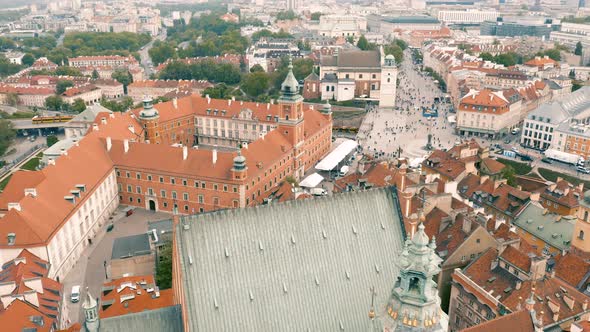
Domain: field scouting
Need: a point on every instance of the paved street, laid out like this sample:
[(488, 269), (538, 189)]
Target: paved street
[(89, 270), (384, 131), (144, 55)]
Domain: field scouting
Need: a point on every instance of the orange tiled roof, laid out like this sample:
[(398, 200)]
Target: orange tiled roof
[(518, 321), (18, 316), (572, 269), (517, 258), (78, 90), (133, 294), (484, 98), (13, 192), (492, 165)]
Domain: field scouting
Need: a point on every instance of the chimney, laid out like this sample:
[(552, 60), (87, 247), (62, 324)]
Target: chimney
[(175, 102), (585, 304), (214, 156), (109, 143), (229, 102), (94, 126), (111, 115), (31, 192), (268, 106), (131, 129), (467, 225), (126, 145), (63, 152), (103, 120), (518, 284), (233, 98), (184, 152), (15, 206), (50, 161)]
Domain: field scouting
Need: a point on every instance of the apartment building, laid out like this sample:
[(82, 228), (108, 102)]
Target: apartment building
[(26, 96), (334, 25), (488, 113), (89, 93), (102, 60), (539, 125), (55, 212)]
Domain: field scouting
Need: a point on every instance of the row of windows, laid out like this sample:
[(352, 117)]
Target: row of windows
[(538, 127), (197, 184)]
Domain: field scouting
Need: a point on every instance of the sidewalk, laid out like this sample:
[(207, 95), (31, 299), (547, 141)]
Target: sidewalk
[(89, 271)]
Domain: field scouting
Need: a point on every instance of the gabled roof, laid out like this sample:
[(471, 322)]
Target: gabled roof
[(573, 270), (167, 319), (132, 294), (13, 192), (244, 264), (19, 316)]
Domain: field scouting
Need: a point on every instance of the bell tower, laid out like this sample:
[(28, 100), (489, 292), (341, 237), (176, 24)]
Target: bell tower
[(291, 118), (90, 306), (414, 303), (149, 117)]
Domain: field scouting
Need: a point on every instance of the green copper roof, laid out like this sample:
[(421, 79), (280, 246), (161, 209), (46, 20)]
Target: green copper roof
[(303, 265), (553, 229), (290, 86)]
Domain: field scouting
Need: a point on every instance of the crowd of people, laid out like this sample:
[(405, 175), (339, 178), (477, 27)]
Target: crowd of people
[(420, 111)]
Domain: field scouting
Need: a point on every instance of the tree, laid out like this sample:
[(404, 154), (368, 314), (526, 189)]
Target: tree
[(12, 99), (395, 50), (256, 68), (362, 43), (509, 174), (115, 106), (316, 16), (51, 140), (485, 56), (162, 51), (220, 91), (350, 39), (62, 86), (579, 48), (7, 135), (164, 267), (122, 76), (28, 59), (79, 105), (255, 84), (54, 103), (95, 74)]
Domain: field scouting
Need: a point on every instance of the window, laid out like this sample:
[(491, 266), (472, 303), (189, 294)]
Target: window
[(130, 199), (185, 196), (138, 176), (173, 180), (129, 188), (118, 173), (196, 184), (138, 189), (149, 177), (581, 235), (585, 215), (201, 199), (128, 174), (225, 187), (215, 186), (163, 193), (201, 210), (215, 201), (186, 208), (165, 204), (203, 185), (184, 182), (174, 195), (150, 191), (161, 179)]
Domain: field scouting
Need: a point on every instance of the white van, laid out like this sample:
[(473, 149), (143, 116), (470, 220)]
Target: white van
[(318, 192), (75, 295), (343, 170)]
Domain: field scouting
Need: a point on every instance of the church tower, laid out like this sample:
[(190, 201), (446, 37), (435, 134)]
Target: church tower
[(414, 304), (149, 117), (291, 118), (90, 306), (388, 82)]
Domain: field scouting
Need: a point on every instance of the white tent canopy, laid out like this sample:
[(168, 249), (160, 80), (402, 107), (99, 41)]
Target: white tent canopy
[(311, 181), (336, 156)]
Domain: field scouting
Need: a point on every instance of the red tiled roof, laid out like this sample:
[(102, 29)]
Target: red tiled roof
[(572, 269), (18, 316), (133, 294), (520, 321), (493, 166), (517, 258), (13, 192)]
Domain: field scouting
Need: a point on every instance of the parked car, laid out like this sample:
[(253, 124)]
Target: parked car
[(546, 160), (318, 191), (525, 157), (75, 295), (582, 169)]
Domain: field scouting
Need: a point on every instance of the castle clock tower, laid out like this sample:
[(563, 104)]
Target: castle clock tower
[(291, 119)]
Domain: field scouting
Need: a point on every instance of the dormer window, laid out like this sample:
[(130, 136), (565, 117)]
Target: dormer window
[(11, 238)]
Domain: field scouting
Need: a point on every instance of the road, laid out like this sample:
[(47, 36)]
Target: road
[(144, 55), (89, 271), (383, 132)]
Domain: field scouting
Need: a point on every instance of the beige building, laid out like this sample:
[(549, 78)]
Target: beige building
[(27, 96), (111, 89), (488, 112), (89, 93)]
